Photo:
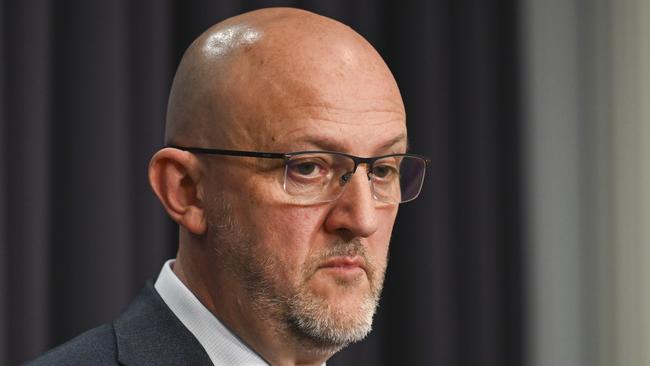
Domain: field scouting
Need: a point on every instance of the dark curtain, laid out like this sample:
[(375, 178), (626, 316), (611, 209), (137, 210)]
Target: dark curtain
[(83, 90)]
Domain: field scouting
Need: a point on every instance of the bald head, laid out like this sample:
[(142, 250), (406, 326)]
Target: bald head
[(241, 74)]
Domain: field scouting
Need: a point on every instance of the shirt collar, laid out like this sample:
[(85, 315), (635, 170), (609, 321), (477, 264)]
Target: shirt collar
[(221, 345)]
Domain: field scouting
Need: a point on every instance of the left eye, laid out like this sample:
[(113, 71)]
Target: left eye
[(383, 171)]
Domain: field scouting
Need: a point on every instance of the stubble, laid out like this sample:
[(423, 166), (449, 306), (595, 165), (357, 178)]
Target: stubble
[(294, 309)]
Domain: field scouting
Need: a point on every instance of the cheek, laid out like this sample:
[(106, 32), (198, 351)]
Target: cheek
[(288, 235), (293, 231)]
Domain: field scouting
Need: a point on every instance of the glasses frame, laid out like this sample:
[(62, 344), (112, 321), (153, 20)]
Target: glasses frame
[(288, 155)]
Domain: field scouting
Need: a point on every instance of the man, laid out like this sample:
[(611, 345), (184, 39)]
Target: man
[(284, 230)]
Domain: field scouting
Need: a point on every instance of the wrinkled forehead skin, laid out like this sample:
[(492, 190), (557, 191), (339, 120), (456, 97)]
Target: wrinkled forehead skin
[(247, 81)]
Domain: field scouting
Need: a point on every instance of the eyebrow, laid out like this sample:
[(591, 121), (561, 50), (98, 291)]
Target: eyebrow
[(329, 145), (399, 138)]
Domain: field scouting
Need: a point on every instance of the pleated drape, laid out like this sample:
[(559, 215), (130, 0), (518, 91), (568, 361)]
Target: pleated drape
[(83, 89)]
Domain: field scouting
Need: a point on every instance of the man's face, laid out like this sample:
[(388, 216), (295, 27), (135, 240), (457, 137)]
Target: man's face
[(317, 270)]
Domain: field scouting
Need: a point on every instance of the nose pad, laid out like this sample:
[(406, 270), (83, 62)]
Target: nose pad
[(349, 176), (345, 178)]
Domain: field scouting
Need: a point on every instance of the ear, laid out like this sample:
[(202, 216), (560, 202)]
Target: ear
[(174, 176)]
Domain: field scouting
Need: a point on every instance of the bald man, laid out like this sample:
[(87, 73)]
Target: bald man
[(284, 166)]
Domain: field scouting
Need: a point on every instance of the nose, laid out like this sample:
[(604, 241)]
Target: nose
[(354, 213)]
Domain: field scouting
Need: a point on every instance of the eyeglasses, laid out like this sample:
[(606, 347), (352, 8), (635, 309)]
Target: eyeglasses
[(321, 176)]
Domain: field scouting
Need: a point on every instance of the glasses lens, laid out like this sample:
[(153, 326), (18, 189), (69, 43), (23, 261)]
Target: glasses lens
[(314, 177), (398, 179), (322, 177), (411, 177)]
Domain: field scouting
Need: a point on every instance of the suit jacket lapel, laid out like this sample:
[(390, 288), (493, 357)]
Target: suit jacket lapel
[(148, 333)]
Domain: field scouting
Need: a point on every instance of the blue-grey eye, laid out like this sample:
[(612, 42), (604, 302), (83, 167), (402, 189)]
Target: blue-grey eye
[(305, 168)]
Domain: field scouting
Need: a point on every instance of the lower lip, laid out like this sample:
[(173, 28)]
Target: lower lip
[(344, 271)]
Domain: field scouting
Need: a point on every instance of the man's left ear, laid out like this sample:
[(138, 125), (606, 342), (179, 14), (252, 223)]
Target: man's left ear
[(174, 176)]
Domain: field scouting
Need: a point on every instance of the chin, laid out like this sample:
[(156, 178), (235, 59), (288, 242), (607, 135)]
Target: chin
[(334, 316)]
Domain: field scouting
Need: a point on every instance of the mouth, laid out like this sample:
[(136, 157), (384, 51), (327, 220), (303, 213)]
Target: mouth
[(345, 266)]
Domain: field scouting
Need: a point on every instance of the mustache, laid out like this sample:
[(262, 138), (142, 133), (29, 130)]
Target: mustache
[(345, 248), (341, 248)]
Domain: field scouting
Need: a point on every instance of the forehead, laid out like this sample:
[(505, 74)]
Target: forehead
[(362, 127), (340, 103), (365, 133)]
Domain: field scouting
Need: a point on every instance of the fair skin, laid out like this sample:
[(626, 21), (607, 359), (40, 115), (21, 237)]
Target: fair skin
[(297, 82)]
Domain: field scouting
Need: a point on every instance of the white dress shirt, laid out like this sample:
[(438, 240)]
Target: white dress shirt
[(221, 345)]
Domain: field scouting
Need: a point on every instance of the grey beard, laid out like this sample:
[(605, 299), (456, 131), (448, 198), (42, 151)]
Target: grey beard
[(314, 321), (321, 324), (317, 320), (311, 321)]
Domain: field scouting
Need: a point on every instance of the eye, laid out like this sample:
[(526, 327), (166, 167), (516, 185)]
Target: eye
[(384, 171), (307, 168)]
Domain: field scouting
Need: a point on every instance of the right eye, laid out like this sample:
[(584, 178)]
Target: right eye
[(306, 169)]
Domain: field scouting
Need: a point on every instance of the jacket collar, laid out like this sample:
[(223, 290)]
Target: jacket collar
[(148, 333)]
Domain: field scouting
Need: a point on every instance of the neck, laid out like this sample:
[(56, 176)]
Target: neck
[(262, 331)]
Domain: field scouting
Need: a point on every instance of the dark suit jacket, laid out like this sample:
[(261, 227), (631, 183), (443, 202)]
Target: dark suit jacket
[(147, 333)]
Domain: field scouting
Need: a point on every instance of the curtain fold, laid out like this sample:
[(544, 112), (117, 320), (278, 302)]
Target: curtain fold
[(27, 174)]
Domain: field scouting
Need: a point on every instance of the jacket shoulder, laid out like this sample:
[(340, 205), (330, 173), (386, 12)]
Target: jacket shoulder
[(94, 347)]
